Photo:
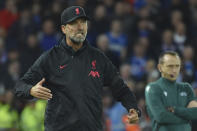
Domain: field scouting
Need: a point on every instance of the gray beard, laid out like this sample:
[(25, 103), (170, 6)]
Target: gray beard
[(77, 41)]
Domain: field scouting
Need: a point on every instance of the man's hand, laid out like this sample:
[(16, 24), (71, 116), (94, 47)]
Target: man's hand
[(41, 92), (170, 109), (133, 117), (192, 104)]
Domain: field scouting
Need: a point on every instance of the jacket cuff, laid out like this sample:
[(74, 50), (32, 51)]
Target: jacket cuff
[(130, 103), (27, 92)]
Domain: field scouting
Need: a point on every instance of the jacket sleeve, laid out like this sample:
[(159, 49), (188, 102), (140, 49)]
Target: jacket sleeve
[(31, 78), (119, 89), (153, 96), (187, 113)]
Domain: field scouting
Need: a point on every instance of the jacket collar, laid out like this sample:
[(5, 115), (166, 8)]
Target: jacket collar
[(70, 49), (168, 82)]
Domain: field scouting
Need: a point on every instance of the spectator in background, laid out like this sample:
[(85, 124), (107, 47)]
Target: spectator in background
[(30, 52), (192, 26), (99, 25), (151, 72), (32, 117), (119, 10), (8, 15), (101, 22), (103, 44), (3, 58), (53, 12), (176, 17), (138, 61), (48, 37), (107, 100), (109, 4), (13, 55), (125, 70), (36, 15), (118, 41), (188, 64), (9, 117), (167, 42), (20, 30), (180, 36), (12, 75)]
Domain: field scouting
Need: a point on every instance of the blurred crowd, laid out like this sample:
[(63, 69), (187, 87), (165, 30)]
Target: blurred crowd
[(132, 33)]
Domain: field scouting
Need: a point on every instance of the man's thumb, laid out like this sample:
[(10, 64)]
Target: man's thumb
[(42, 81)]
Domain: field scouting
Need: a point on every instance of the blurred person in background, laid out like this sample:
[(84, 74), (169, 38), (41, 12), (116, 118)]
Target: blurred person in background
[(188, 70), (125, 72), (3, 58), (13, 55), (118, 41), (12, 75), (102, 43), (138, 60), (176, 17), (151, 72), (99, 24), (32, 116), (53, 12), (30, 52), (180, 36), (36, 15), (192, 26), (48, 37), (9, 14), (109, 4), (107, 100), (171, 105), (9, 117), (167, 42), (20, 30)]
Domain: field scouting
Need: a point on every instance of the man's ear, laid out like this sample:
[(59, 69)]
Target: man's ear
[(159, 67), (63, 28)]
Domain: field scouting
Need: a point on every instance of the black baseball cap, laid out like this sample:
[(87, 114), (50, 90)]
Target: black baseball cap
[(72, 13)]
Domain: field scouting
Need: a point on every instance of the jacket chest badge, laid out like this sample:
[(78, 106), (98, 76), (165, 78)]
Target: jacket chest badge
[(165, 93), (183, 94), (93, 72)]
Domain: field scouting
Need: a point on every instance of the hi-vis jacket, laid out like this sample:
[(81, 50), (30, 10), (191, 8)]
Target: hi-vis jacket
[(75, 80)]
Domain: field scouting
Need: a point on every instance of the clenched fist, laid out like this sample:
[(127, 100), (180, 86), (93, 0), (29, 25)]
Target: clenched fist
[(41, 92), (133, 117)]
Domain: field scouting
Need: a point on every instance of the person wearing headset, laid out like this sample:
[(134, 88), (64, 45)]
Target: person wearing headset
[(171, 105)]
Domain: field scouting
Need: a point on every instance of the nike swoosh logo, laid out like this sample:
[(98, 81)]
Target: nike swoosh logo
[(62, 66)]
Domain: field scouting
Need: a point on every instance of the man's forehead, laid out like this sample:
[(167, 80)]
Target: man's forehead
[(171, 59)]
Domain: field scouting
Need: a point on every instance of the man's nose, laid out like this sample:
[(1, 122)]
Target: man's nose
[(79, 26)]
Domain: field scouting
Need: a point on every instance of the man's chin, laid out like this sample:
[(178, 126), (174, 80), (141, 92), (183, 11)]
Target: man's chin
[(77, 42)]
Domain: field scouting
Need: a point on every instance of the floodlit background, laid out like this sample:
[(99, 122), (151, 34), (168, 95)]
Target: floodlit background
[(132, 33)]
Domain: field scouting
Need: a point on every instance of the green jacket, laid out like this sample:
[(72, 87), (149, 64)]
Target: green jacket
[(32, 117), (162, 94), (8, 117)]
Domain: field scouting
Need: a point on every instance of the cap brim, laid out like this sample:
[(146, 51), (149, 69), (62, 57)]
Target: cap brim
[(74, 18)]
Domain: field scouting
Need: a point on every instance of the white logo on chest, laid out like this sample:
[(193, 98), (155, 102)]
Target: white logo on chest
[(165, 93), (183, 94)]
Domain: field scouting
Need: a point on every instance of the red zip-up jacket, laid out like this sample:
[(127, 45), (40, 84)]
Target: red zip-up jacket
[(76, 80)]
